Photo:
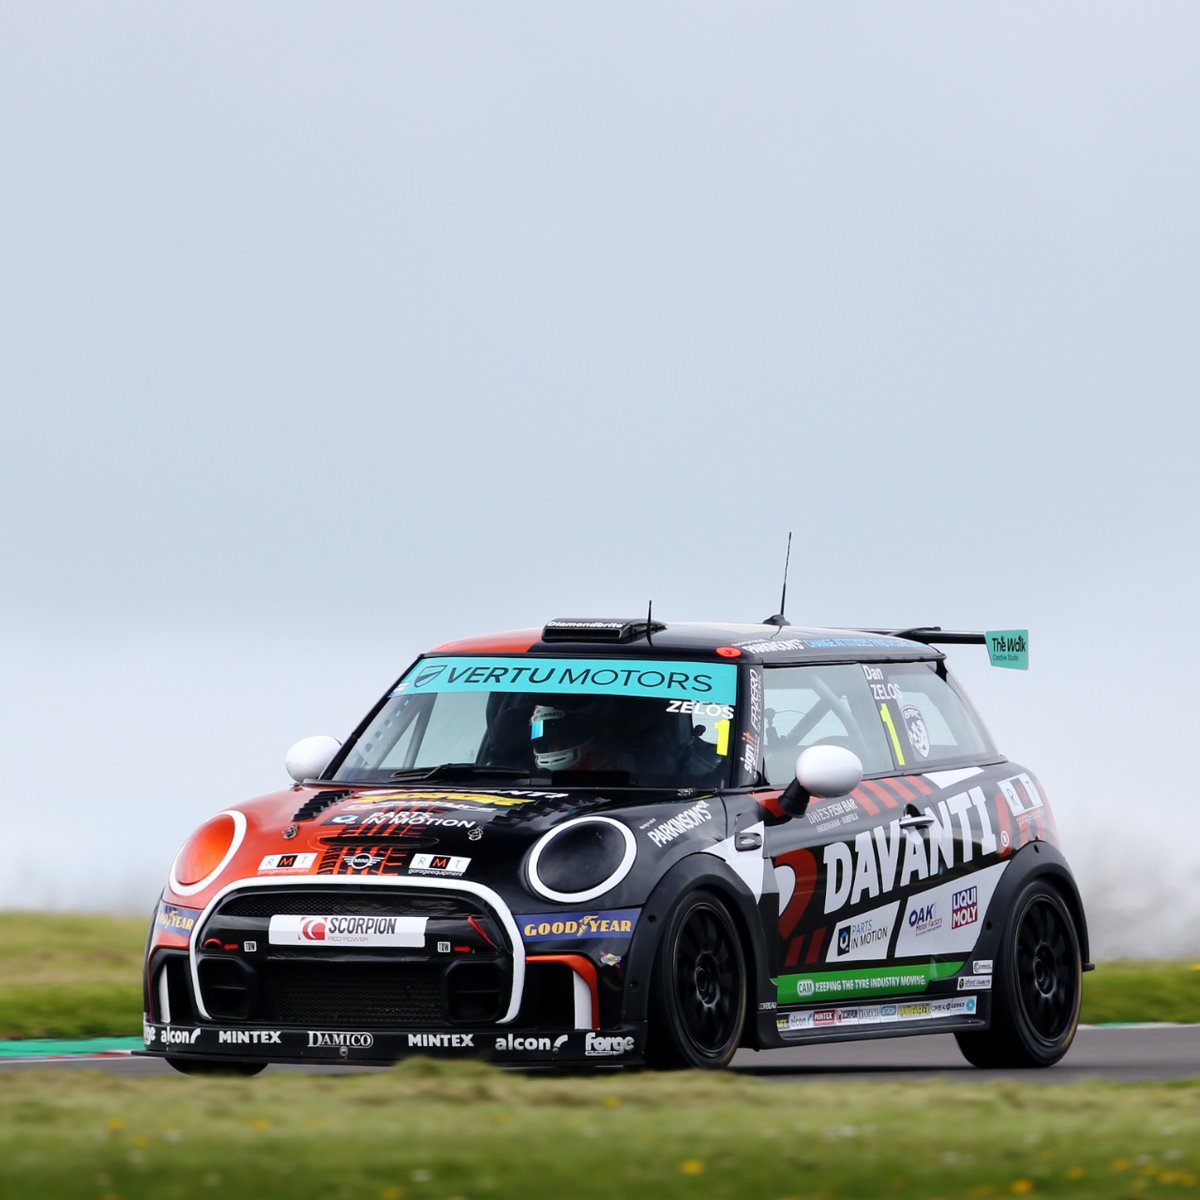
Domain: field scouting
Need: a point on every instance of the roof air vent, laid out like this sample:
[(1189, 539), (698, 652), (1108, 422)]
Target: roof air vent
[(598, 629)]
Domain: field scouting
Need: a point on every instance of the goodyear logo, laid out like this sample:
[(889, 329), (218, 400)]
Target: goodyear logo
[(554, 927), (173, 919)]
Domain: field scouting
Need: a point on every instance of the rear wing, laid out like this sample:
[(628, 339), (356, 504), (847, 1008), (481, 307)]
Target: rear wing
[(1006, 647)]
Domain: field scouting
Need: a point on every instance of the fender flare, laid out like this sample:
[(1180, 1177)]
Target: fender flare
[(699, 870), (1037, 860)]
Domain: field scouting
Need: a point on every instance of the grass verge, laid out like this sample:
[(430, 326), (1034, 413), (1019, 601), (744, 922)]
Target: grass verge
[(438, 1130), (66, 975)]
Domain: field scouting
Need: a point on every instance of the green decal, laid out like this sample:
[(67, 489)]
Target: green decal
[(869, 981), (1008, 648)]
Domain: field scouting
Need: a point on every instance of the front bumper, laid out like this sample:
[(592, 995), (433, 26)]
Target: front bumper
[(512, 1047), (246, 989)]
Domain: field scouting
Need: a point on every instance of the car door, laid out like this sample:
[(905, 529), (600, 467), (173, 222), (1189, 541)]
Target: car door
[(838, 865), (972, 810)]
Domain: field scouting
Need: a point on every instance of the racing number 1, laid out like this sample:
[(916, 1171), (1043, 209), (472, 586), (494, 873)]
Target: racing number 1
[(722, 728), (886, 714)]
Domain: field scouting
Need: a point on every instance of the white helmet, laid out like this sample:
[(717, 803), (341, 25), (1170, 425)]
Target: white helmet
[(562, 737)]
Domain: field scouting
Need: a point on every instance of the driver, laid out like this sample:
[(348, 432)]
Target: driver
[(576, 733)]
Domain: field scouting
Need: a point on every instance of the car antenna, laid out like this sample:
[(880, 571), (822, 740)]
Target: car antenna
[(779, 618), (649, 622)]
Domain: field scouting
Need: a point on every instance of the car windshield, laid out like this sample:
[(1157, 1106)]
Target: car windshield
[(617, 722)]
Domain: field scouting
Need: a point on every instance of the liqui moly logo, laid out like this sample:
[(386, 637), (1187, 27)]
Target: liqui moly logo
[(965, 908)]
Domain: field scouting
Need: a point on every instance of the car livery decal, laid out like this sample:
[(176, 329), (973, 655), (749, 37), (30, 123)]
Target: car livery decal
[(611, 924), (466, 800), (673, 679), (854, 851), (866, 981), (875, 1014)]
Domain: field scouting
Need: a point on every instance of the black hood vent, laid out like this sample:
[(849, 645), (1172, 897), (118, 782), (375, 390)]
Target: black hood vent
[(320, 802)]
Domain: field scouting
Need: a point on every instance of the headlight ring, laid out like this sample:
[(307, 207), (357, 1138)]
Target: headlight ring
[(594, 852), (207, 852)]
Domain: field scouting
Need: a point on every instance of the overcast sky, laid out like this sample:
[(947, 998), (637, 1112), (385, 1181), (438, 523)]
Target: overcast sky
[(331, 332)]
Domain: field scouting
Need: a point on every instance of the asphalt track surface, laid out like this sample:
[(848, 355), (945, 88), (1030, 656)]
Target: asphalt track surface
[(1117, 1053)]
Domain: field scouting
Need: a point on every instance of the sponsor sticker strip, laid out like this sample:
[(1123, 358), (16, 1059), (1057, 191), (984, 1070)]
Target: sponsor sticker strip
[(876, 1014), (578, 1044)]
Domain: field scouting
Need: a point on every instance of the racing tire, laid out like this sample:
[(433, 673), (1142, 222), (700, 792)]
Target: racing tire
[(214, 1066), (1037, 988), (698, 1002)]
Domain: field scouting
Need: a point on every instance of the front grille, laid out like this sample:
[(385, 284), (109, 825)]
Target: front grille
[(301, 902), (462, 973), (337, 994)]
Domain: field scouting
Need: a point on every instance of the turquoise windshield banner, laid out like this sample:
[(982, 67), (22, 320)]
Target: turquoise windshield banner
[(670, 680)]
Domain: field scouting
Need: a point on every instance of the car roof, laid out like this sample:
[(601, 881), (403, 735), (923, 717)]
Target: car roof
[(633, 638)]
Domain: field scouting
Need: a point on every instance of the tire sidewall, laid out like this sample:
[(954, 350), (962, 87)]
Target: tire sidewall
[(672, 1040), (1010, 1016)]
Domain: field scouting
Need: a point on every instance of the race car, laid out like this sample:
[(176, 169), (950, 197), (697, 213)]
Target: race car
[(623, 842)]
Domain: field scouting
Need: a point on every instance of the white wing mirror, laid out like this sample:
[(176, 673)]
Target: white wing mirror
[(821, 771), (310, 756)]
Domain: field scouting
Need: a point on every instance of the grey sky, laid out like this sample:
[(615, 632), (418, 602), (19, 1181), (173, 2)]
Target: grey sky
[(330, 332)]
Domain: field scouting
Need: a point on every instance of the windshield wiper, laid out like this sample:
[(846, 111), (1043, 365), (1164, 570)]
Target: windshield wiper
[(462, 771), (589, 778)]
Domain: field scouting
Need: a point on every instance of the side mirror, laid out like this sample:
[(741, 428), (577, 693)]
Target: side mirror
[(310, 756), (821, 771)]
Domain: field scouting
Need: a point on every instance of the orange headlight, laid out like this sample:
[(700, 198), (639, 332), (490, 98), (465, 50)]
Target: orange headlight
[(204, 851)]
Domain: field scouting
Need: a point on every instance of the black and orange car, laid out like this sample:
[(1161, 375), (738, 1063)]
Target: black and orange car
[(619, 841)]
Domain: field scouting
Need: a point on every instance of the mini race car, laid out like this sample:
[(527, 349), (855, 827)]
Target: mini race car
[(618, 842)]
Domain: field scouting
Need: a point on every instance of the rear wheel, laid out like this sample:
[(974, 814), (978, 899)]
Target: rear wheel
[(699, 999), (1037, 989), (214, 1066)]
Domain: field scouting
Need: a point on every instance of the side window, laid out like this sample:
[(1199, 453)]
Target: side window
[(831, 704), (933, 723)]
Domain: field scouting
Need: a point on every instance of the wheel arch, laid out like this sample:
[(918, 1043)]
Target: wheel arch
[(1038, 860), (707, 872)]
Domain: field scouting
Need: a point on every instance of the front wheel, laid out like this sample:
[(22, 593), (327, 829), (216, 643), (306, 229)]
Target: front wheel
[(699, 1000), (1037, 989)]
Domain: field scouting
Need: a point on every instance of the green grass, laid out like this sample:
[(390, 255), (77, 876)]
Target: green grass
[(439, 1130), (68, 975), (1134, 989)]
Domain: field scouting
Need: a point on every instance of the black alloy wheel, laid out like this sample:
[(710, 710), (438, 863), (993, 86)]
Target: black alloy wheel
[(699, 1000), (1037, 987)]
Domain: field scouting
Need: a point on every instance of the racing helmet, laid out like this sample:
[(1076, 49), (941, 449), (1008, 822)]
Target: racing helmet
[(567, 733)]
